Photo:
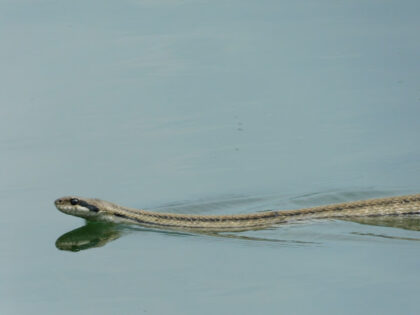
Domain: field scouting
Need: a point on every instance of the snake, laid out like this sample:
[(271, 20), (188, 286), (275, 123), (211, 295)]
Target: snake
[(93, 209)]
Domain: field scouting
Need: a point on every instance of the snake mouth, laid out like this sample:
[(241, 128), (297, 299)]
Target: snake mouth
[(59, 204)]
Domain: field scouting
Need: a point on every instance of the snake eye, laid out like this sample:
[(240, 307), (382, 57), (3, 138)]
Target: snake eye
[(74, 201)]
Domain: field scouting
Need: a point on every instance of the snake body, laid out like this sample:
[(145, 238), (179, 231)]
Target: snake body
[(100, 210)]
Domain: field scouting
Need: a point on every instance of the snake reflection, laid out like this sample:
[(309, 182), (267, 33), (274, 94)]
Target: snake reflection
[(98, 234)]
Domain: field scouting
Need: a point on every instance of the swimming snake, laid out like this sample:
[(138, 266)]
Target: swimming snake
[(100, 210)]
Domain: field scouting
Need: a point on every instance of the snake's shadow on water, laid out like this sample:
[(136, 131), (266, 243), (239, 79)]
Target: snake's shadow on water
[(97, 234)]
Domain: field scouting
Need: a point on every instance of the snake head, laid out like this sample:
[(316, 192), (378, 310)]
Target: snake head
[(79, 207)]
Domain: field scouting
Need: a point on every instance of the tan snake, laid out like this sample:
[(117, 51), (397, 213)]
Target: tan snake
[(100, 210)]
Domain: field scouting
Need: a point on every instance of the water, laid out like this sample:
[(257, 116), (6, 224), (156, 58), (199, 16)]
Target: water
[(209, 108)]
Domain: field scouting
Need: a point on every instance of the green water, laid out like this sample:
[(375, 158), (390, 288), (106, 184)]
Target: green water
[(208, 107)]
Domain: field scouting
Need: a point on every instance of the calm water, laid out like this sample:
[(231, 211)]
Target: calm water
[(208, 107)]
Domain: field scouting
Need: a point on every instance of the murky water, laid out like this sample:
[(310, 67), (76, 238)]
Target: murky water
[(208, 108)]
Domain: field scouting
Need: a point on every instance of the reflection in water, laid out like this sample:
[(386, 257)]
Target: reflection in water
[(98, 234), (89, 236), (95, 234), (258, 239), (406, 222), (388, 236)]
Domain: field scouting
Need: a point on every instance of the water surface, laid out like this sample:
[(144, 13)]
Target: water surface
[(217, 107)]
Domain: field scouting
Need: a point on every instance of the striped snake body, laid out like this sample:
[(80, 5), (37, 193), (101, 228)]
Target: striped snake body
[(100, 210)]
